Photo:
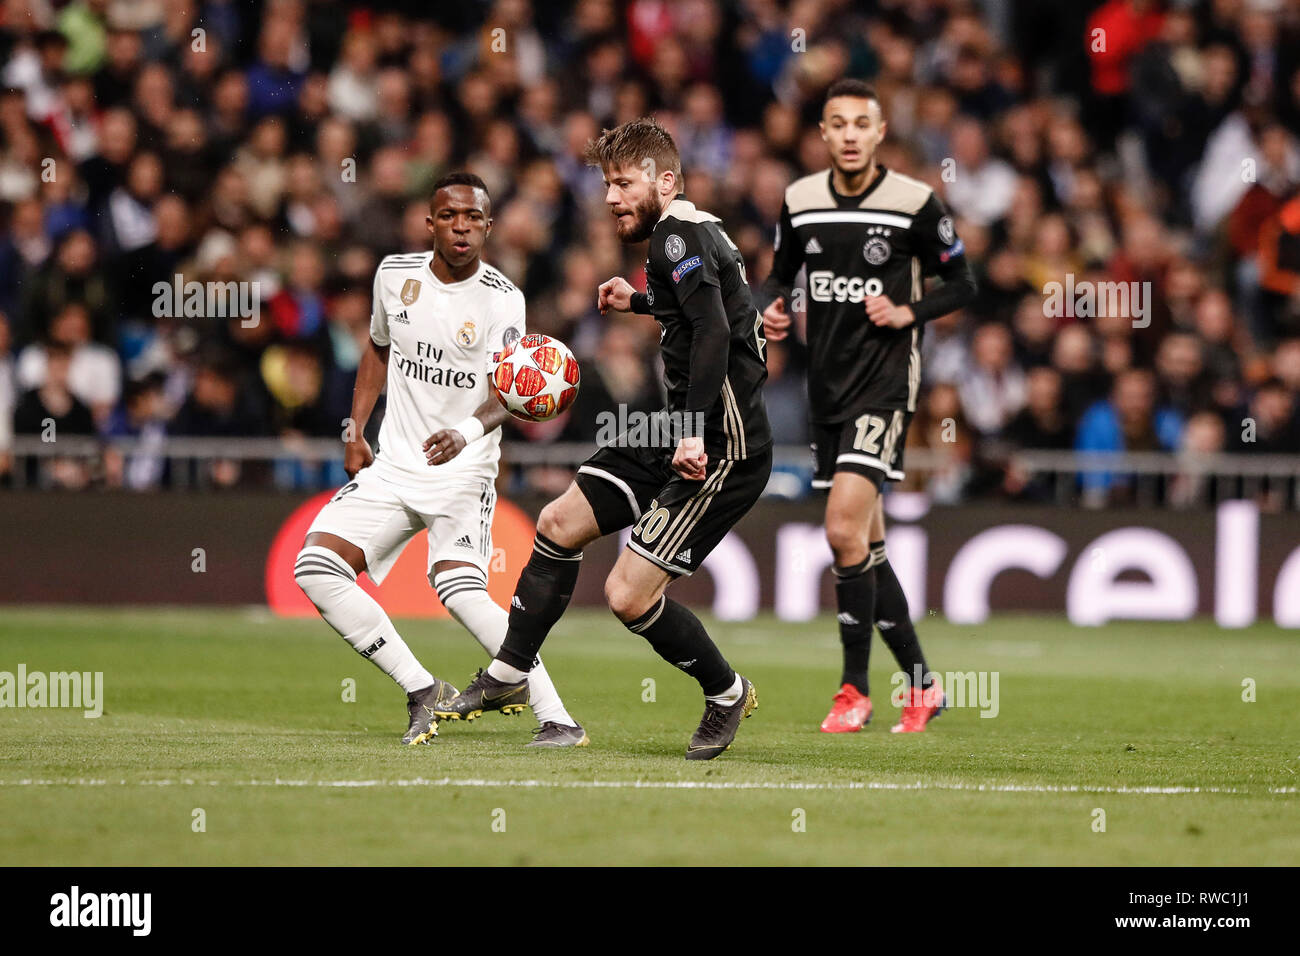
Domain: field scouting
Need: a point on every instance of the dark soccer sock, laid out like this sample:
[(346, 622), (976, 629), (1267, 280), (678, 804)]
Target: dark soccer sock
[(855, 595), (895, 621), (540, 598), (679, 638)]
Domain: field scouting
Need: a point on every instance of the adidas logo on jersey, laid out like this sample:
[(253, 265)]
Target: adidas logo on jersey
[(401, 318), (884, 625), (515, 602), (464, 542), (813, 248), (844, 617), (684, 556)]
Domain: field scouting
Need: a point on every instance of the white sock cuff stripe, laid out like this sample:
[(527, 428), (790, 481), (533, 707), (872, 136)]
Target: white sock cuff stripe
[(449, 584), (544, 549), (458, 574), (315, 559)]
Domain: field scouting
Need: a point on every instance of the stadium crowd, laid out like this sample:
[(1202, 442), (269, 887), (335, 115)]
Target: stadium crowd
[(292, 144)]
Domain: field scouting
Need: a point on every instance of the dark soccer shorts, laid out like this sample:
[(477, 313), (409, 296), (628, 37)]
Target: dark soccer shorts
[(676, 522), (869, 444)]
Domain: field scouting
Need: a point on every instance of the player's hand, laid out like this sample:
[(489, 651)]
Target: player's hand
[(885, 314), (357, 455), (689, 460), (776, 320), (442, 446), (615, 294)]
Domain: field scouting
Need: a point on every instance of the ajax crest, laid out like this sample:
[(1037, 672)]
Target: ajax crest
[(877, 249)]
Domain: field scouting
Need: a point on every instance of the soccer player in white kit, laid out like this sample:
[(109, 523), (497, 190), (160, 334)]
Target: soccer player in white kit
[(438, 320)]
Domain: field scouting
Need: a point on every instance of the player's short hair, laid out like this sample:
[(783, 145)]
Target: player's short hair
[(851, 87), (632, 144), (460, 178)]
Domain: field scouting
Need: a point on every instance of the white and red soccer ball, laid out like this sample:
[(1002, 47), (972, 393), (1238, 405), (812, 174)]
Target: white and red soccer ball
[(536, 378)]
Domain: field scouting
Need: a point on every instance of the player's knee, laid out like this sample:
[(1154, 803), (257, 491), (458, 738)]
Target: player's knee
[(847, 539), (626, 601), (558, 525)]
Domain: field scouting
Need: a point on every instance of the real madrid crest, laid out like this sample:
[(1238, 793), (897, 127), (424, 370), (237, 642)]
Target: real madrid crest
[(466, 334), (410, 291), (877, 249)]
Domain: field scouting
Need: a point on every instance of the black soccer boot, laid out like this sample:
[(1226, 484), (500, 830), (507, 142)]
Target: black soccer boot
[(551, 734), (719, 725), (419, 704), (484, 692)]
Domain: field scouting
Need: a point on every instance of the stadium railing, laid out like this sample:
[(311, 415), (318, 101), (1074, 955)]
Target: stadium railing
[(293, 463)]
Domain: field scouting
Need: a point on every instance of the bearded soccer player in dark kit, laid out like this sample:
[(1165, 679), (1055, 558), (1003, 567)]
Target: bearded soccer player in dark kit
[(867, 237), (682, 497)]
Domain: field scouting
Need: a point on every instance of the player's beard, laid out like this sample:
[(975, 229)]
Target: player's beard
[(645, 217)]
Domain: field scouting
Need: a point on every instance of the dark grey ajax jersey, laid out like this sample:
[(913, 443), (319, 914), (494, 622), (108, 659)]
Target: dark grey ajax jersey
[(884, 241), (691, 256)]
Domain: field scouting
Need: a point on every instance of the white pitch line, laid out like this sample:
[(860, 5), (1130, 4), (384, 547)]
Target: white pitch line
[(648, 785)]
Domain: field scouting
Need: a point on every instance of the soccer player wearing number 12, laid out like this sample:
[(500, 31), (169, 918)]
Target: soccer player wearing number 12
[(867, 237)]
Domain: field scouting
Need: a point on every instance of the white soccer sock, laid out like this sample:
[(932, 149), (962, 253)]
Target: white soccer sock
[(332, 586), (463, 591), (729, 698), (506, 672)]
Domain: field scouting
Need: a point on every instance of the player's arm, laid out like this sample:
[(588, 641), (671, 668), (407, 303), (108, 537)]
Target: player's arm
[(942, 254), (787, 260), (693, 277), (446, 443), (372, 375)]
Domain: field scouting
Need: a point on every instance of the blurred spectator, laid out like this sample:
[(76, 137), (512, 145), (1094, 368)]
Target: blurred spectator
[(8, 395), (51, 409), (1127, 421), (94, 373), (939, 427), (295, 147), (1204, 435), (992, 388), (143, 416), (219, 406), (982, 187)]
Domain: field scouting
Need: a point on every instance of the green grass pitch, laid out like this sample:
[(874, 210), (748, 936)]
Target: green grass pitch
[(242, 716)]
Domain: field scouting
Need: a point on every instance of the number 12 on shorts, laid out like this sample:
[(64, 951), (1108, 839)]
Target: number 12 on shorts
[(867, 438)]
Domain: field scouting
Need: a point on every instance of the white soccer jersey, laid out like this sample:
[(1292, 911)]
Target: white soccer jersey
[(443, 340)]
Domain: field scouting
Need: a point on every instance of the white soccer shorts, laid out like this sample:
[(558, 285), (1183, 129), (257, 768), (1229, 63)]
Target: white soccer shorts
[(380, 517)]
